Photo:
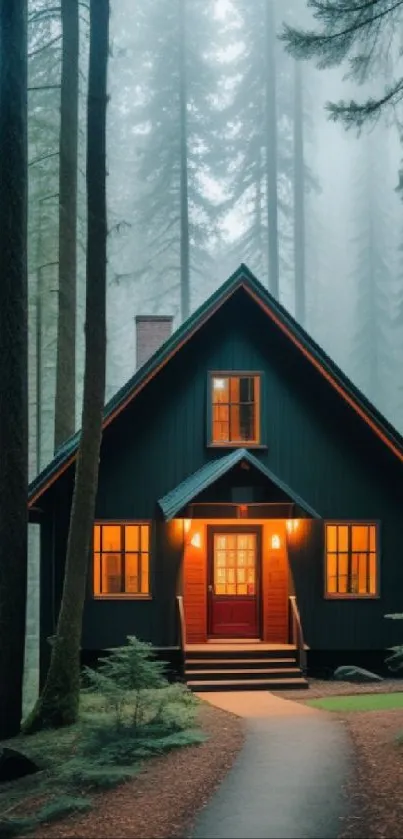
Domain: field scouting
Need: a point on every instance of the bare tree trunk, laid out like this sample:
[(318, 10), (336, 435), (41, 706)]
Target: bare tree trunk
[(65, 405), (59, 702), (184, 192), (299, 197), (271, 150), (13, 359)]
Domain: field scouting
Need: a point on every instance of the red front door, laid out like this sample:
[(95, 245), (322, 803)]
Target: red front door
[(233, 586)]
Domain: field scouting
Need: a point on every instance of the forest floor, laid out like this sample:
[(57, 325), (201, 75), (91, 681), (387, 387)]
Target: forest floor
[(160, 801), (166, 793)]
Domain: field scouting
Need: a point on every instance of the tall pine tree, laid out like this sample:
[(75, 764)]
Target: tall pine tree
[(14, 360), (173, 123)]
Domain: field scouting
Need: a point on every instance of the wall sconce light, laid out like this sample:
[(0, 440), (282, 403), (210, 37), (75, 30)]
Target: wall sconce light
[(196, 540), (275, 542), (187, 523), (292, 525)]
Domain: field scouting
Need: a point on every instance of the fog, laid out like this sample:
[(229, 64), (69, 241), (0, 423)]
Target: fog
[(353, 229), (210, 59)]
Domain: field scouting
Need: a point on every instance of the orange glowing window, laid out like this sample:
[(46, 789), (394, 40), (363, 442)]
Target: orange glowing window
[(121, 559), (235, 563), (351, 560), (235, 409)]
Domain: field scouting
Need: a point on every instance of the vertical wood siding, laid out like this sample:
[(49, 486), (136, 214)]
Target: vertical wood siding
[(315, 443)]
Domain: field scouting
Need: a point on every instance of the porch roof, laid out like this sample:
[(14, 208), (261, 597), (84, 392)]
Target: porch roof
[(175, 500)]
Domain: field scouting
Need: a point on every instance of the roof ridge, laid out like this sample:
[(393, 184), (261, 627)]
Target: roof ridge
[(241, 278)]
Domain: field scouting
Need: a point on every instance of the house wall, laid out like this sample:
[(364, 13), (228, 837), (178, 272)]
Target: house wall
[(313, 441)]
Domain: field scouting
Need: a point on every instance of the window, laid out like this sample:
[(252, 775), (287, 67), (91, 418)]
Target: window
[(121, 559), (235, 409), (351, 560), (235, 563)]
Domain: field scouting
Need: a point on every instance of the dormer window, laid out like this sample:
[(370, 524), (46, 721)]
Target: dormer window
[(235, 409)]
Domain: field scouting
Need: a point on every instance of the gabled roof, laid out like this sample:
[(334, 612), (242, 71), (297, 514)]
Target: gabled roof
[(191, 487), (245, 280)]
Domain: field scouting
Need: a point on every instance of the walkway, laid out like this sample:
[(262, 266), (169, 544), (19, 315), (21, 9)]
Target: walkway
[(288, 780)]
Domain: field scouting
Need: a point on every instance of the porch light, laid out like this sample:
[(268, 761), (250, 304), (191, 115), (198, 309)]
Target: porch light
[(275, 542), (219, 384), (196, 540), (292, 525), (187, 523)]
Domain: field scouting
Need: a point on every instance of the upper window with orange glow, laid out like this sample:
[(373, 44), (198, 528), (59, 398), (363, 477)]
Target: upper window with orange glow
[(235, 416), (121, 559), (351, 560)]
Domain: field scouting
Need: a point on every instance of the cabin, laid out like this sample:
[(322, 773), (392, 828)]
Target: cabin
[(249, 509)]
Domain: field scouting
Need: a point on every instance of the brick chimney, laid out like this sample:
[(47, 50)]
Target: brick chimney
[(151, 332)]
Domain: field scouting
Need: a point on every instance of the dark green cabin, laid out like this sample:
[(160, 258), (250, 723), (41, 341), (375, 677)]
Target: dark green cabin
[(249, 503)]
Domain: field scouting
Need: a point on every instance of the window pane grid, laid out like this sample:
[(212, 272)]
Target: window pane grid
[(235, 403), (351, 559), (121, 559), (235, 564)]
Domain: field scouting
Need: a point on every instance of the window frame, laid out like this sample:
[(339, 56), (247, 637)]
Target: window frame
[(351, 523), (235, 444), (123, 595)]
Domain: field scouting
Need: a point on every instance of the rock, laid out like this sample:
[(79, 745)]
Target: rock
[(349, 673), (15, 765)]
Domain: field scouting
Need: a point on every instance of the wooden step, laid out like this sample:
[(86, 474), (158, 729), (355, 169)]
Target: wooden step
[(289, 672), (248, 684), (239, 662)]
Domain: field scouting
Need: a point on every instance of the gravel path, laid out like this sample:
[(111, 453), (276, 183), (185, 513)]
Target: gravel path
[(162, 800)]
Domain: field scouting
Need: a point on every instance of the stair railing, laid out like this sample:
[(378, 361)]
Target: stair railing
[(297, 635), (181, 622)]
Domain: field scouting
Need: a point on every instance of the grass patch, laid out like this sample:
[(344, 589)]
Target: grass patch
[(359, 702)]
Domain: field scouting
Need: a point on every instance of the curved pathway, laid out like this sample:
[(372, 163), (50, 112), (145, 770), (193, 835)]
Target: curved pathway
[(288, 780)]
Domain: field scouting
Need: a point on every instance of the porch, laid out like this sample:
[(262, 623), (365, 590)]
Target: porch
[(240, 626), (243, 665)]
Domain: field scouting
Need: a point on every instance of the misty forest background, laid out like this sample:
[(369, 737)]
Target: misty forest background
[(205, 85)]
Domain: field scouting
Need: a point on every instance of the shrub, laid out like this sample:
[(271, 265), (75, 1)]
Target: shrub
[(56, 809), (395, 661), (137, 713), (80, 772)]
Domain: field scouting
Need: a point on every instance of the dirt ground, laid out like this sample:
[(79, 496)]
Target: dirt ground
[(161, 801), (376, 789)]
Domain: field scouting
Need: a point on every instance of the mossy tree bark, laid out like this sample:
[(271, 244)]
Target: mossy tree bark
[(65, 403), (58, 704), (13, 360)]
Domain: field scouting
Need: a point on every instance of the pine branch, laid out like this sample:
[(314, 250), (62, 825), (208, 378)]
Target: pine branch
[(42, 158), (46, 46), (353, 114)]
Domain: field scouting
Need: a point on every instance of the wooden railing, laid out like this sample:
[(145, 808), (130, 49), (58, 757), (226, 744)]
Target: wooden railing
[(297, 635), (181, 622)]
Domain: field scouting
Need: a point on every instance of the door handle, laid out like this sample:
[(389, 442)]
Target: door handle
[(210, 588)]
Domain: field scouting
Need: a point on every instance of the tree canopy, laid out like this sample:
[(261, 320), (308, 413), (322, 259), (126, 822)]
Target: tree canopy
[(364, 34)]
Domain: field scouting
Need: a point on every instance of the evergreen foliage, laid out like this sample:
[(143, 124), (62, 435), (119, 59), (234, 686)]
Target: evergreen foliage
[(362, 33), (137, 712), (173, 125)]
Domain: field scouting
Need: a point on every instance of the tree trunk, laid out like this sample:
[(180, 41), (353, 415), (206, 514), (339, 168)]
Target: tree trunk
[(14, 360), (58, 704), (184, 196), (271, 150), (299, 197), (65, 404)]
